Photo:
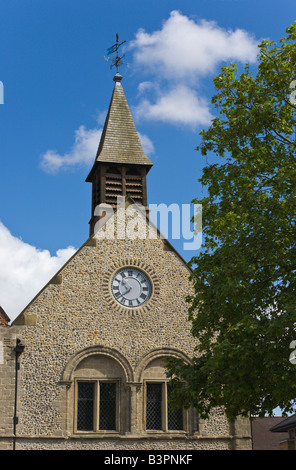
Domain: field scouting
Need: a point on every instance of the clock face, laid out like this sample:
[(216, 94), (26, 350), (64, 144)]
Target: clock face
[(131, 287)]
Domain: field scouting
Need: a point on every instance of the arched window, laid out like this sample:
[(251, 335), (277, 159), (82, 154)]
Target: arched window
[(97, 380), (158, 413)]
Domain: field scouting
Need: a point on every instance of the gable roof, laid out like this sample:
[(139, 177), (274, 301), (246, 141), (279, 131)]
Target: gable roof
[(91, 241), (285, 425), (120, 142), (128, 200)]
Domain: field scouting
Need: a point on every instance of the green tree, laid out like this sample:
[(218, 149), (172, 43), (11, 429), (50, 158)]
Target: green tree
[(243, 310)]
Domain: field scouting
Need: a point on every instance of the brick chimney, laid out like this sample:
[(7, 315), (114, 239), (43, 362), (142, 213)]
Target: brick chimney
[(4, 318)]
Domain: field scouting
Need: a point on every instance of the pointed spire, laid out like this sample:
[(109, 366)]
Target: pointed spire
[(120, 142), (121, 165)]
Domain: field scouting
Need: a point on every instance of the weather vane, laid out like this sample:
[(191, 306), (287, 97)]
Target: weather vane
[(116, 61)]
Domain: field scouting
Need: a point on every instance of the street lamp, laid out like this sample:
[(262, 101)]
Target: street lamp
[(19, 349)]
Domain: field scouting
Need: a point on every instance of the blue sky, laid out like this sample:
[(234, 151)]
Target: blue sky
[(57, 87)]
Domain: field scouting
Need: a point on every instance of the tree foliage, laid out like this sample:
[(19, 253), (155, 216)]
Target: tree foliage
[(243, 310)]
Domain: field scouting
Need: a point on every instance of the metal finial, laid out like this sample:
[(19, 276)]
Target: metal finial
[(116, 61)]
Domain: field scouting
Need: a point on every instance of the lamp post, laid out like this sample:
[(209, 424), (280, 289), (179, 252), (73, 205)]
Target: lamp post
[(19, 348)]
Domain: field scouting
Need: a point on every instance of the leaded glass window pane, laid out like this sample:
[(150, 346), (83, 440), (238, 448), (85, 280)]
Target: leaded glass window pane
[(175, 416), (153, 406), (107, 411), (85, 412)]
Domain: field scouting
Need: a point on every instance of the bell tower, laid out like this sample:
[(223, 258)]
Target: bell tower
[(121, 166)]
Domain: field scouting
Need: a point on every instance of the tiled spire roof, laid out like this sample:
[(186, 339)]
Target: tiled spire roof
[(120, 141)]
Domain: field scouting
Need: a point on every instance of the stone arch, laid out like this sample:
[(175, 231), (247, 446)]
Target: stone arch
[(157, 354), (68, 373)]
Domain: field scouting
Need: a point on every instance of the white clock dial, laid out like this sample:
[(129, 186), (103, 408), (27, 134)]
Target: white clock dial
[(131, 287)]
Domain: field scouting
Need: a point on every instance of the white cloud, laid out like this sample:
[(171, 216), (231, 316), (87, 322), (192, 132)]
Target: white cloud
[(181, 105), (177, 58), (82, 152), (146, 86), (184, 48), (25, 270)]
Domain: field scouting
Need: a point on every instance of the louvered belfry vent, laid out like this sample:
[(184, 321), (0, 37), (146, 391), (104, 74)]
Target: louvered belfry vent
[(114, 186), (134, 187)]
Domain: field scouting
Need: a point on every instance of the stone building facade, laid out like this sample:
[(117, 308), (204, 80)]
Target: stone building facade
[(92, 373)]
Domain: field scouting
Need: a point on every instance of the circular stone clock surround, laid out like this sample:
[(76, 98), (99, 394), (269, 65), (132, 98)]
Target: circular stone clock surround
[(131, 286)]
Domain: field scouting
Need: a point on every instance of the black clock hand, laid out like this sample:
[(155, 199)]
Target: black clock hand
[(126, 285)]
